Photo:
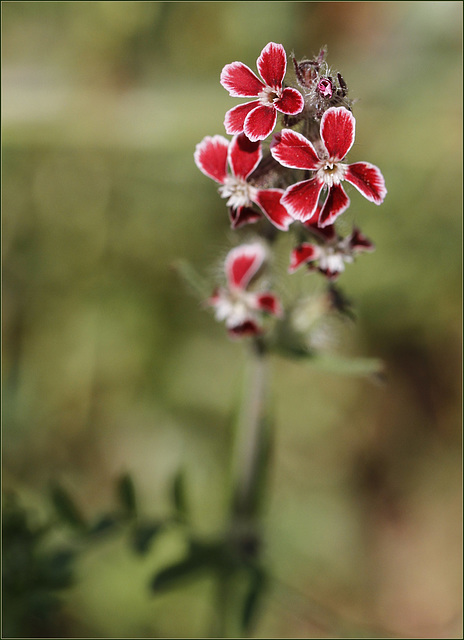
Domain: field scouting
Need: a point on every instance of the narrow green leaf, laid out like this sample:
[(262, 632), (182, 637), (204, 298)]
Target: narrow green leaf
[(144, 535), (192, 279), (66, 507), (179, 493), (333, 363), (126, 493), (186, 569), (104, 524)]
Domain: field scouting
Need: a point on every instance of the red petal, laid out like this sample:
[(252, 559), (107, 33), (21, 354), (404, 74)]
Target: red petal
[(336, 203), (244, 156), (327, 234), (367, 179), (211, 157), (359, 242), (301, 199), (293, 150), (269, 303), (303, 253), (235, 117), (337, 131), (242, 216), (272, 64), (240, 81), (291, 102), (247, 328), (260, 123), (242, 263), (269, 200)]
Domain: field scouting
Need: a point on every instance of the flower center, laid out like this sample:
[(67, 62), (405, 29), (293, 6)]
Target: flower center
[(238, 192), (235, 307), (331, 260), (331, 172), (269, 96)]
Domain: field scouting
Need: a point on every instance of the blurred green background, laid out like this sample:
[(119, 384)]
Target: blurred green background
[(111, 365)]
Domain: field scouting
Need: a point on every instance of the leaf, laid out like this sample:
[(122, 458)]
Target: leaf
[(201, 557), (55, 570), (143, 536), (179, 493), (192, 279), (104, 524), (66, 507), (333, 363), (176, 573), (126, 493)]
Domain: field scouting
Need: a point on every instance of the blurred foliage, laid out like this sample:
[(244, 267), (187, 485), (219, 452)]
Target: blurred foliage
[(110, 364)]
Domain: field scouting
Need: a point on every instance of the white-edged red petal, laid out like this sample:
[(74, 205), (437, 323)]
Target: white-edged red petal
[(302, 254), (269, 303), (368, 180), (291, 102), (272, 64), (235, 117), (338, 131), (269, 201), (242, 263), (336, 203), (260, 123), (242, 216), (293, 150), (301, 199), (244, 156), (240, 81), (211, 157)]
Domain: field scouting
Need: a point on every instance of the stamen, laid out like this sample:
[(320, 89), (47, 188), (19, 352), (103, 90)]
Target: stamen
[(238, 191)]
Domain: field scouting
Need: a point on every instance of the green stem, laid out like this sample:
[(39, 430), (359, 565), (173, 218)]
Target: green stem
[(252, 440), (249, 477)]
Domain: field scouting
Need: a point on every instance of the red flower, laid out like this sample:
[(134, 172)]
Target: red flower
[(293, 150), (330, 256), (212, 155), (257, 119), (242, 309)]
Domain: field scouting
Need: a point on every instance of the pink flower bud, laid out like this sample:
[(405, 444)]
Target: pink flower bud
[(325, 88)]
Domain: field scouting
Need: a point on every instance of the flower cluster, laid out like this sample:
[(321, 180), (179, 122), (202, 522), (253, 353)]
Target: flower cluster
[(257, 172)]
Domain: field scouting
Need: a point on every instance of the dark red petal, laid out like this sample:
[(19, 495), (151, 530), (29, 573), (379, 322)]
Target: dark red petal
[(244, 156), (293, 150), (240, 81), (211, 157), (331, 275), (305, 252), (301, 199), (269, 303), (235, 117), (272, 64), (327, 234), (367, 179), (336, 203), (247, 328), (359, 242), (242, 263), (242, 216), (269, 200), (291, 102), (337, 131), (260, 123)]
